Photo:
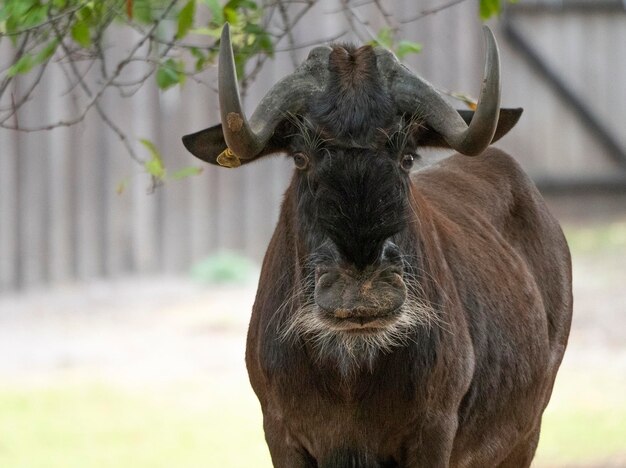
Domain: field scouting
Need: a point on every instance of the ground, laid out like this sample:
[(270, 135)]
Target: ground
[(149, 372)]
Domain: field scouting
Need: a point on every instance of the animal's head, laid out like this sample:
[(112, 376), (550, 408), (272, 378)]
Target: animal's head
[(352, 119)]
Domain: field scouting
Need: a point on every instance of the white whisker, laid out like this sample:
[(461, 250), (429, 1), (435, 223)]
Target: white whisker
[(351, 350)]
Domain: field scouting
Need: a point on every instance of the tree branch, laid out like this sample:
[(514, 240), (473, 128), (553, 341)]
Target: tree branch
[(94, 100), (432, 11)]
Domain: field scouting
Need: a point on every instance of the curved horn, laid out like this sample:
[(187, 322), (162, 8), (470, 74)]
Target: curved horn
[(247, 139), (416, 94)]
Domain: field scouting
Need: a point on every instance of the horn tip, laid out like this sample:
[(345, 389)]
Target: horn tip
[(226, 32), (488, 33)]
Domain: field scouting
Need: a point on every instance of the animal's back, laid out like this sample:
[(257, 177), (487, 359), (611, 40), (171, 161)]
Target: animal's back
[(504, 249)]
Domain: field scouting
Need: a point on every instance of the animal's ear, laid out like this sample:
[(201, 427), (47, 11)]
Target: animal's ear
[(209, 143), (508, 118)]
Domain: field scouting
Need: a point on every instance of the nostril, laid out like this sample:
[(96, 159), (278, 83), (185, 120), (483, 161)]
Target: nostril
[(325, 277), (391, 253)]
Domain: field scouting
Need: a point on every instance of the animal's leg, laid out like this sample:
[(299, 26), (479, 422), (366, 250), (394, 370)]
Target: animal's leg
[(522, 454)]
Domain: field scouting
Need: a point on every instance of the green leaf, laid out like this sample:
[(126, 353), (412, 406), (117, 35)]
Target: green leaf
[(81, 34), (47, 52), (488, 8), (235, 4), (232, 16), (217, 14), (23, 65), (154, 166), (405, 48), (213, 32), (201, 58), (185, 19), (385, 38), (35, 15), (187, 172), (264, 41), (169, 74), (142, 11)]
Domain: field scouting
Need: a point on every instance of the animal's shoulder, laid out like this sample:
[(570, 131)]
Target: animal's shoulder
[(490, 178), (492, 185)]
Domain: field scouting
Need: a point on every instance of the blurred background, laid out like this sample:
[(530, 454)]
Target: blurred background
[(125, 294)]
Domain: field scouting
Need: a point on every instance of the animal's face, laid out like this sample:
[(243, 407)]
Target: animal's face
[(351, 119), (353, 221), (351, 203)]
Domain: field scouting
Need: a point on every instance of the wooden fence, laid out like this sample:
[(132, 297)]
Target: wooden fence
[(62, 219)]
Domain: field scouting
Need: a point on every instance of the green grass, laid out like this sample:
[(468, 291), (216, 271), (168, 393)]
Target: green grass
[(204, 424), (98, 426), (585, 422)]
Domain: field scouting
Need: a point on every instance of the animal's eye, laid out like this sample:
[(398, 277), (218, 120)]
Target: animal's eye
[(301, 161), (407, 162)]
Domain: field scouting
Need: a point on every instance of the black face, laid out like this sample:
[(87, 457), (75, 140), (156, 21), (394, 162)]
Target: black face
[(351, 201), (352, 216)]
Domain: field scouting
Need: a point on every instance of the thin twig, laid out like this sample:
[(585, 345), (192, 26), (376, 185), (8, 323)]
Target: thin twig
[(290, 39), (121, 135), (351, 15), (432, 11), (304, 45), (386, 16)]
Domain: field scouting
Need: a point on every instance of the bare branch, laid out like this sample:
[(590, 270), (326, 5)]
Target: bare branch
[(304, 45), (432, 11), (388, 18), (351, 16), (289, 30), (122, 136)]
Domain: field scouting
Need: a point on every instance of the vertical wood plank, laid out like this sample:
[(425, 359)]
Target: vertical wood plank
[(176, 236), (88, 204), (117, 183), (201, 112), (146, 245), (60, 236), (33, 203), (9, 203)]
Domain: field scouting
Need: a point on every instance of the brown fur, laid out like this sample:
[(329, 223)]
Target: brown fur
[(469, 392), (353, 66), (401, 321)]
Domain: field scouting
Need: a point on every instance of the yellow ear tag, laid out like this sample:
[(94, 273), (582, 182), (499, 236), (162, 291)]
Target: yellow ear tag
[(228, 159)]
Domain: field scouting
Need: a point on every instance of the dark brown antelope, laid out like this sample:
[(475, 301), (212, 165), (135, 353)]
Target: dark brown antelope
[(402, 319)]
